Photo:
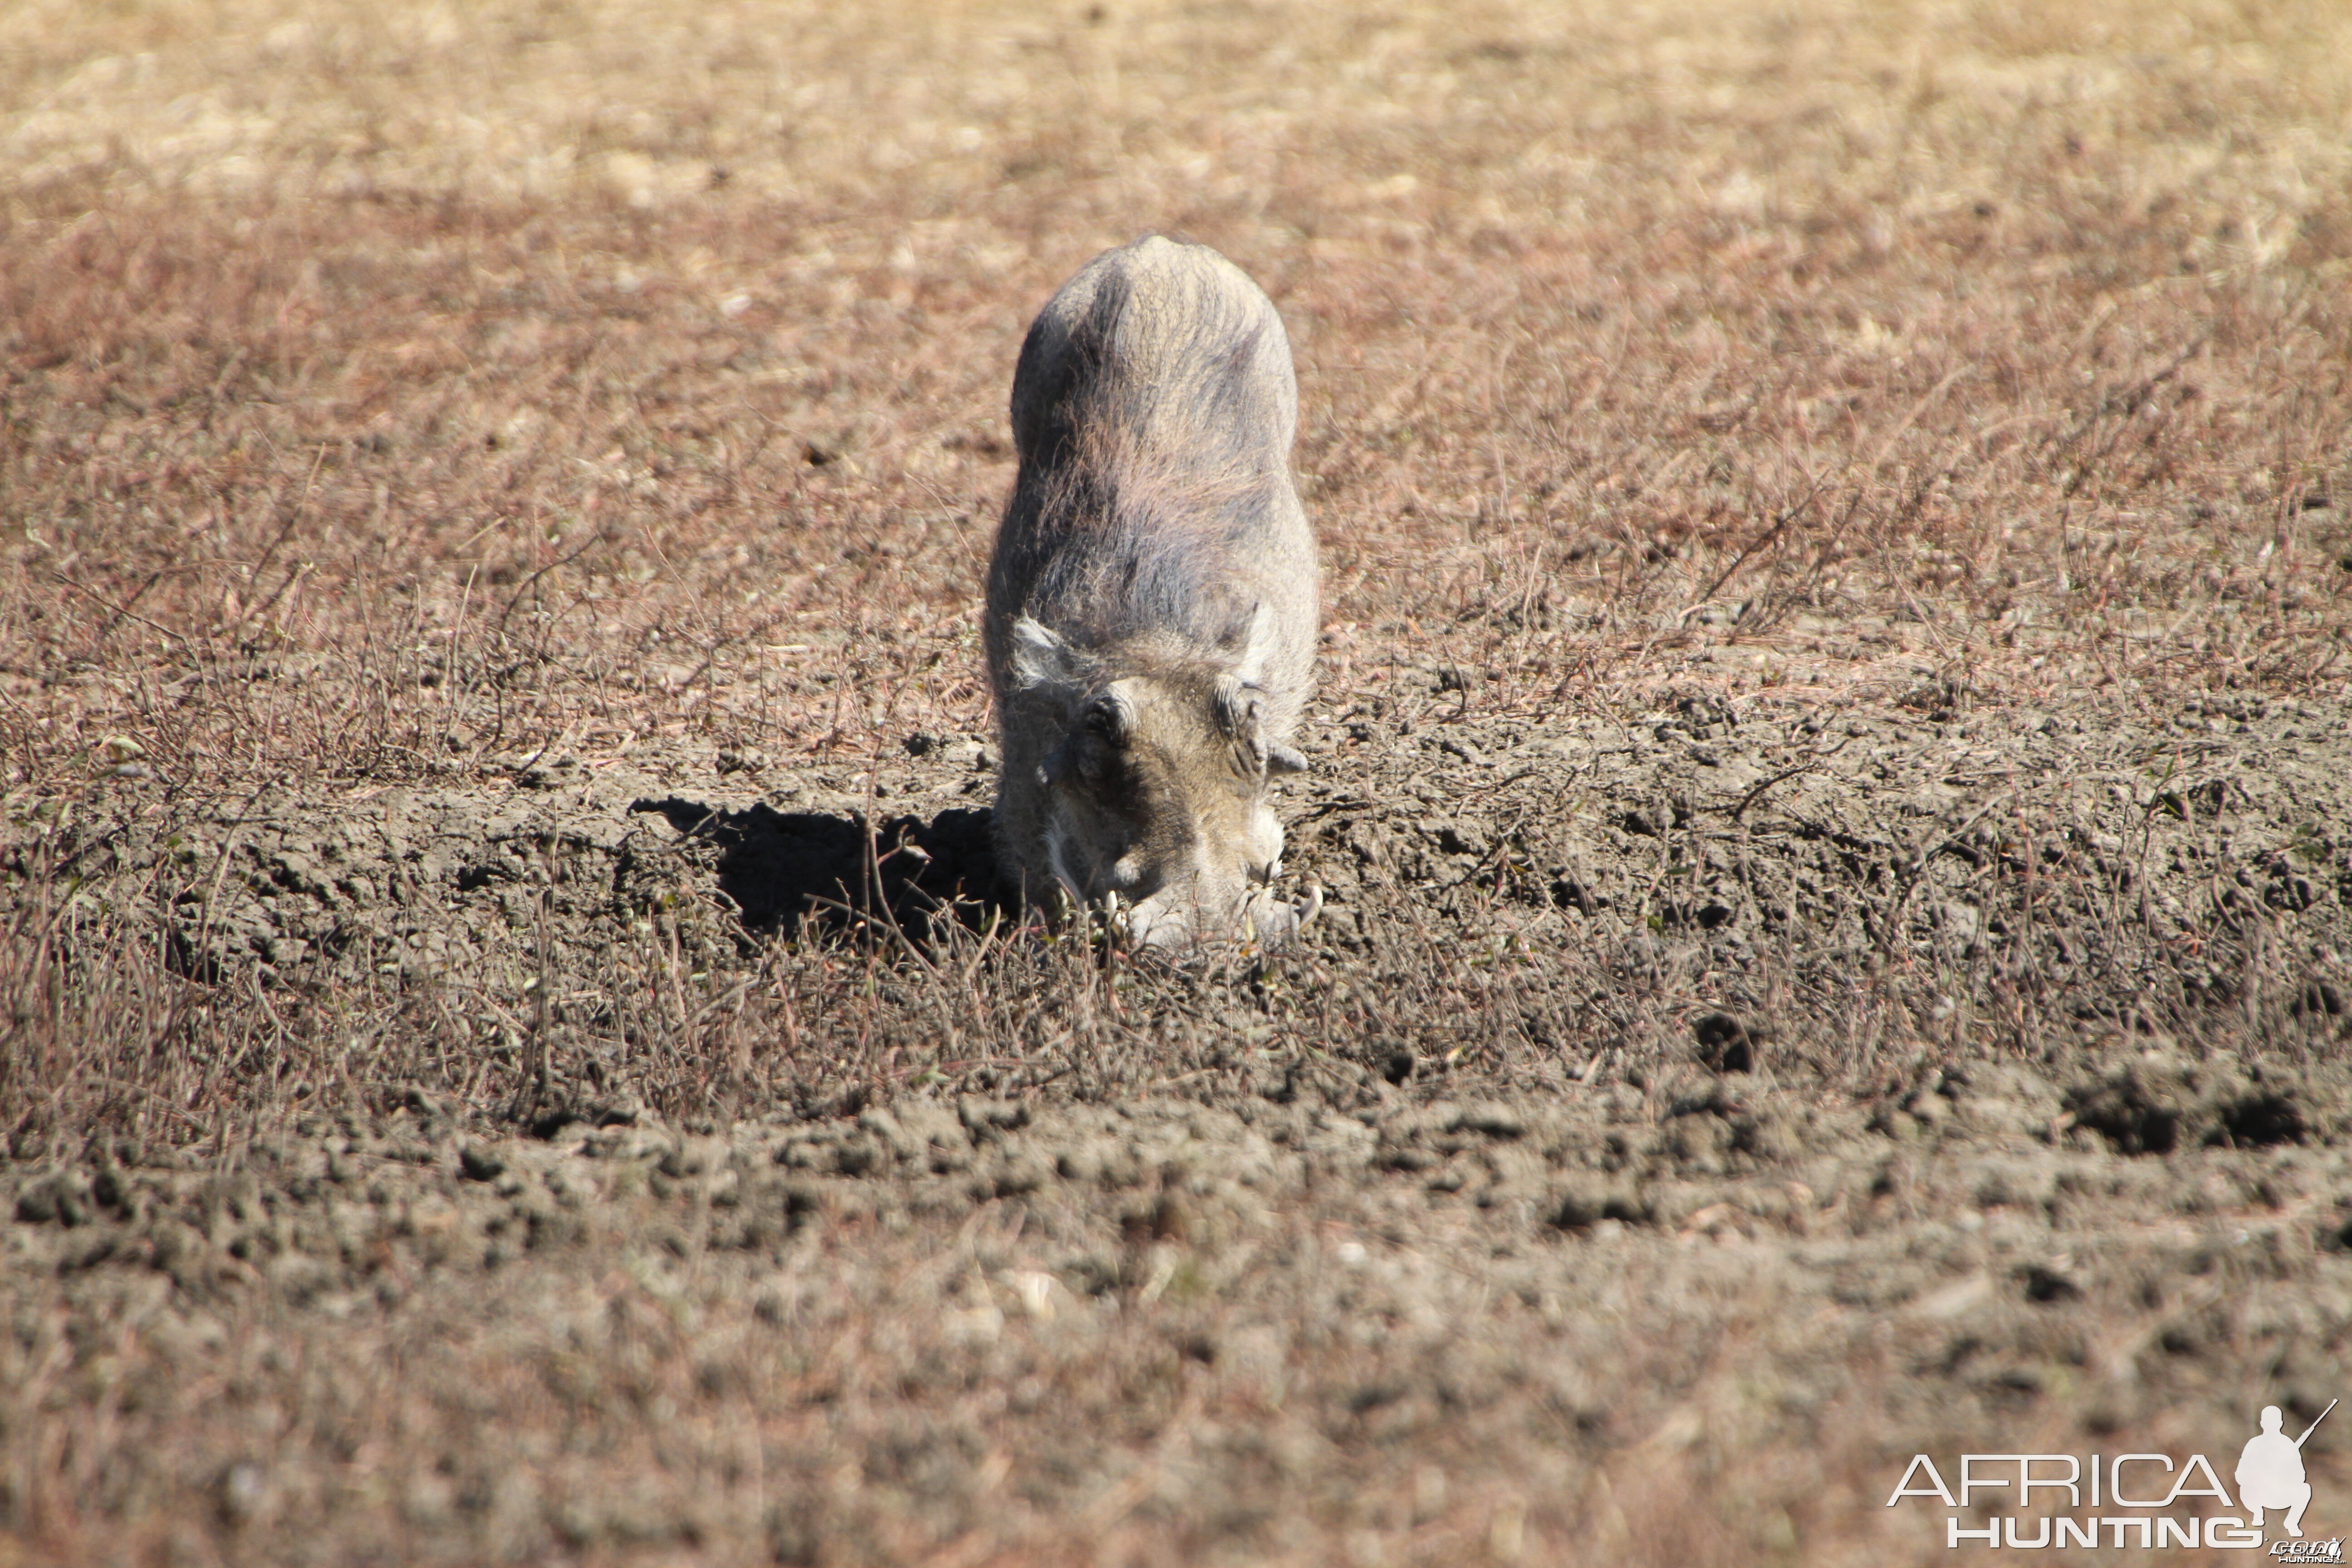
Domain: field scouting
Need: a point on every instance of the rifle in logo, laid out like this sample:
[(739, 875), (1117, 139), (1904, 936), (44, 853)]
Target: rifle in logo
[(2315, 1425)]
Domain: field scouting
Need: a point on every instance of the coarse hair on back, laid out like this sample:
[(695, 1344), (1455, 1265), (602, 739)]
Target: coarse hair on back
[(1161, 532), (1153, 411)]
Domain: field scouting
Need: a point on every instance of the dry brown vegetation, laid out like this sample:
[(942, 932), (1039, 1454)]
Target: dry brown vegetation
[(1834, 517)]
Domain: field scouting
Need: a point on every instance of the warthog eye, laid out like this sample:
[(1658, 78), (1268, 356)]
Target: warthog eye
[(1093, 752)]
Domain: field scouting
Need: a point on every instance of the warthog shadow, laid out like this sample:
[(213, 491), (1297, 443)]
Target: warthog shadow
[(781, 869)]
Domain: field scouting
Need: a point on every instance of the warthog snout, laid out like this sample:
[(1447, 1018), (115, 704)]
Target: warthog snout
[(1151, 611)]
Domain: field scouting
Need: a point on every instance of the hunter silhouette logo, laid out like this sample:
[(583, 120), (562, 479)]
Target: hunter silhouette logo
[(2270, 1472), (2130, 1500)]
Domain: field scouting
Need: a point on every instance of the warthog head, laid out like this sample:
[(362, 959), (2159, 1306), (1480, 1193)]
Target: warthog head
[(1155, 791)]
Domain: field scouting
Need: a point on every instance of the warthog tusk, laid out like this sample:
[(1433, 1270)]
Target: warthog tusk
[(1312, 904)]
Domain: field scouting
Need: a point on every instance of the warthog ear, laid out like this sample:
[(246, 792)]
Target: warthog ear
[(1240, 709), (1040, 656), (1241, 714)]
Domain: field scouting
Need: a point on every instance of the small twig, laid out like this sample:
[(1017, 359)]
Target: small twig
[(120, 612), (532, 581), (2122, 401), (1788, 515), (220, 868), (1501, 784), (449, 673), (536, 1073), (1808, 765)]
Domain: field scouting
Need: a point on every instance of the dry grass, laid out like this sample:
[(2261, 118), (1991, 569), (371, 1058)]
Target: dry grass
[(405, 397), (334, 339), (415, 398)]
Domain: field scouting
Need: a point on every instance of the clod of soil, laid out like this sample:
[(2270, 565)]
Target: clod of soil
[(1728, 1044)]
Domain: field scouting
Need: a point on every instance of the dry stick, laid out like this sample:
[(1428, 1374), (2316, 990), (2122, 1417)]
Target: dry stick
[(2123, 401), (294, 574), (293, 518), (536, 1065), (534, 579), (1920, 861), (730, 997), (717, 640), (42, 952), (227, 849), (675, 966), (158, 1102), (154, 577), (1789, 514), (1808, 765), (1608, 377), (887, 919), (120, 612), (449, 674)]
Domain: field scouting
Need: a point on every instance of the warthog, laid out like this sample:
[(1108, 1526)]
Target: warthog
[(1153, 608)]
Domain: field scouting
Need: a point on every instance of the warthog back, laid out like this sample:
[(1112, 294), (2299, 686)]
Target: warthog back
[(1153, 608)]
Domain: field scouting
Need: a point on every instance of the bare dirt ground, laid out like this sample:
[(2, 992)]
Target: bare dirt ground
[(1833, 781)]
